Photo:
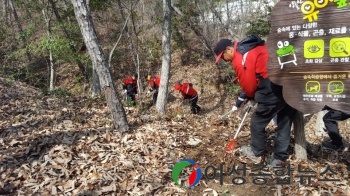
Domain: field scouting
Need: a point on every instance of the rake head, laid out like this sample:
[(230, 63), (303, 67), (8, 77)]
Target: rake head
[(230, 147)]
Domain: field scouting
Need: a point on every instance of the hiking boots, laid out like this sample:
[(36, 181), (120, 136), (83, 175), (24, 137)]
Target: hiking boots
[(247, 151), (330, 146), (276, 163), (196, 110)]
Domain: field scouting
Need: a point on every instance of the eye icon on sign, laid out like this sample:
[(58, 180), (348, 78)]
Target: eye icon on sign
[(314, 48)]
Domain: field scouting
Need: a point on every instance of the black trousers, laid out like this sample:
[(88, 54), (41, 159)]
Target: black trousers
[(131, 97), (155, 95), (194, 107), (271, 103), (261, 118), (330, 120)]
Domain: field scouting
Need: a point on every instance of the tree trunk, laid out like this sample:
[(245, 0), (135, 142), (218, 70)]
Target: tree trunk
[(52, 73), (195, 29), (52, 66), (83, 16), (4, 11), (226, 25), (299, 135), (133, 49), (19, 25), (96, 88), (81, 66), (116, 44), (166, 58), (58, 16)]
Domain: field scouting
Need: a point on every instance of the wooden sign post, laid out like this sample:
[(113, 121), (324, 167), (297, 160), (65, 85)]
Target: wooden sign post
[(309, 48)]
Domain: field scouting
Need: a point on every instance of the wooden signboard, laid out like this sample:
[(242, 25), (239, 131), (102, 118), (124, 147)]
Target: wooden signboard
[(309, 48)]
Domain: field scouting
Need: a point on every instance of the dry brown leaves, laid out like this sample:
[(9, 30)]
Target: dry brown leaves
[(52, 146)]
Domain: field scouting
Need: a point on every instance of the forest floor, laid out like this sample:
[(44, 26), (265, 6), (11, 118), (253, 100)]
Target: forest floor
[(67, 146)]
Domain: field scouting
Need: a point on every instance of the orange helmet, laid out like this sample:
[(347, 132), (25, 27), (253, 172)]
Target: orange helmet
[(178, 86)]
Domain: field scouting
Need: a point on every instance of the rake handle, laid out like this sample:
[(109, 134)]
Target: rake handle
[(240, 125), (232, 143)]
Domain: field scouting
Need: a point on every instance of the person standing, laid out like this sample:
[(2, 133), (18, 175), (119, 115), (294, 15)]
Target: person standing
[(188, 92), (249, 60)]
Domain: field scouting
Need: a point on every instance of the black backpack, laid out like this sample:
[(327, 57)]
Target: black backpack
[(249, 43)]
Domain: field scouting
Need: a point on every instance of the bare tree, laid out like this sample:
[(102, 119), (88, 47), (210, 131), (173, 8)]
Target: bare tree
[(195, 29), (134, 47), (19, 26), (83, 16), (68, 35), (166, 58), (47, 20), (4, 11)]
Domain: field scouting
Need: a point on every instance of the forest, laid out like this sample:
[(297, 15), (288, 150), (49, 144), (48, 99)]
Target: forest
[(67, 127)]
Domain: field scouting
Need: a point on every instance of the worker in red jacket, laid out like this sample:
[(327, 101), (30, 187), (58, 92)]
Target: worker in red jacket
[(187, 91), (154, 83), (130, 88), (249, 60)]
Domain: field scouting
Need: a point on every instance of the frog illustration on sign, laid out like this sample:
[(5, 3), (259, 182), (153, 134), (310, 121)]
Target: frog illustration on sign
[(285, 50)]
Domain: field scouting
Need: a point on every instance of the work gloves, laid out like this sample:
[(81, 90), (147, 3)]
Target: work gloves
[(124, 92), (150, 90), (241, 100)]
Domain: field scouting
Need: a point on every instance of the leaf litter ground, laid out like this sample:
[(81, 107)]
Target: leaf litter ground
[(52, 146)]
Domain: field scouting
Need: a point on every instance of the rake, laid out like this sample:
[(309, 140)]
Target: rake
[(230, 147), (234, 108)]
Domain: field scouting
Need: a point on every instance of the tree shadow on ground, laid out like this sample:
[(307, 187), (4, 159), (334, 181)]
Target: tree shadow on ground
[(19, 152)]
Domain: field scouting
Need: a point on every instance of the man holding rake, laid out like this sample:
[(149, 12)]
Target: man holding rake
[(249, 60)]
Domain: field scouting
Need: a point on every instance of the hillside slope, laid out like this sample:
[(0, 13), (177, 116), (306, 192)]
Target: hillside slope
[(53, 146)]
